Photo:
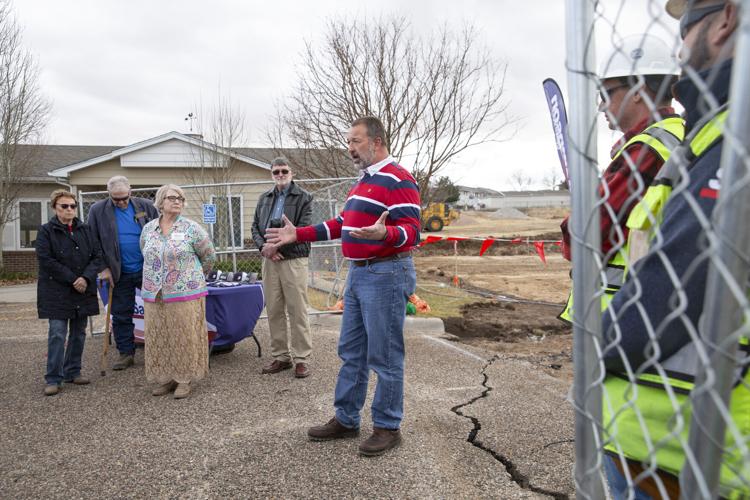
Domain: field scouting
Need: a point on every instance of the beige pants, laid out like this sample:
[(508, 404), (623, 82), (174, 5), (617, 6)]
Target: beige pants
[(285, 289)]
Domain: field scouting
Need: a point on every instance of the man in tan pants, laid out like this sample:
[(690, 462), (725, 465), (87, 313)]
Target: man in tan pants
[(285, 272)]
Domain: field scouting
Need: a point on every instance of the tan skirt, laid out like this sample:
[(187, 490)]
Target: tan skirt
[(176, 341)]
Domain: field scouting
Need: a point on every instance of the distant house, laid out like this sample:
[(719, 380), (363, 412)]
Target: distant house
[(169, 158), (471, 198), (529, 199), (487, 199)]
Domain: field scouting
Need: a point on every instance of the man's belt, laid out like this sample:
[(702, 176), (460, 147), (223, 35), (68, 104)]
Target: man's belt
[(395, 256)]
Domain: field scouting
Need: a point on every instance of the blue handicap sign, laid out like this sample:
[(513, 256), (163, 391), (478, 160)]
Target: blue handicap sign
[(209, 213)]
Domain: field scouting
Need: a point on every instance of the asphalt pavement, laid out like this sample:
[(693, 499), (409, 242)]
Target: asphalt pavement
[(477, 425)]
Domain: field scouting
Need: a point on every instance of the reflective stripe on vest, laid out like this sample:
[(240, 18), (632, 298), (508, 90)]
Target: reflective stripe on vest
[(662, 136)]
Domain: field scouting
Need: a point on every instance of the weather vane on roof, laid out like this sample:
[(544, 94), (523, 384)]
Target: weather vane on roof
[(190, 118)]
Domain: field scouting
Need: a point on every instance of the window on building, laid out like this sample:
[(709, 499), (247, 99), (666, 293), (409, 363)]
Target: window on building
[(221, 229), (31, 215)]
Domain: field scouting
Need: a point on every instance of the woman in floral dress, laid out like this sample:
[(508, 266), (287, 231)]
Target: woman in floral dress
[(176, 252)]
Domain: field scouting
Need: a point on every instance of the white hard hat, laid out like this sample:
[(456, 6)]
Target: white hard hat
[(639, 55)]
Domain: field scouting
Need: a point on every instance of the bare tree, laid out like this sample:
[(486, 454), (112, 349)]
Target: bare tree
[(552, 178), (436, 96), (24, 113), (520, 180), (221, 131)]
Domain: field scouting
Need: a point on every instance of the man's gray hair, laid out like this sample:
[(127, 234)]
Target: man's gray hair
[(279, 161), (117, 180)]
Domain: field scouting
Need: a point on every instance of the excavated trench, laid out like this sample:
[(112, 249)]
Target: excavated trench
[(516, 475)]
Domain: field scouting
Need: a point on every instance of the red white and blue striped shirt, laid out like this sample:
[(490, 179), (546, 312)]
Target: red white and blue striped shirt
[(382, 186)]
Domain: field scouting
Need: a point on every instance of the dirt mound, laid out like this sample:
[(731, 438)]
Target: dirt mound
[(508, 213), (529, 332), (507, 321), (466, 219)]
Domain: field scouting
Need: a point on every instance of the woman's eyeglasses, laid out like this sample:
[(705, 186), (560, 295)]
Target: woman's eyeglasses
[(280, 171), (66, 206), (176, 198)]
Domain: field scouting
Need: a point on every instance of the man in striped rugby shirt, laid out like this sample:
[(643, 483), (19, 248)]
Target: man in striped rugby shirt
[(378, 228)]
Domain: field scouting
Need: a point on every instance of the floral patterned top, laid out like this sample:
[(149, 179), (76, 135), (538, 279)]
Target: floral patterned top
[(173, 263)]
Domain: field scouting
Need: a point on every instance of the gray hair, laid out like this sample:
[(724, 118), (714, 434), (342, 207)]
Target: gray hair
[(279, 161), (374, 128), (161, 194), (117, 180)]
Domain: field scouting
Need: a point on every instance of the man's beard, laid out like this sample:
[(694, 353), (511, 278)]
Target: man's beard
[(699, 57), (364, 161)]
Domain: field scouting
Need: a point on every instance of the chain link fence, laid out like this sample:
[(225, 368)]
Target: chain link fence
[(232, 233), (660, 269)]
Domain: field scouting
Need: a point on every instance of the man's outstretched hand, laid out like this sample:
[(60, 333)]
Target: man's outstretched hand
[(282, 235), (375, 232)]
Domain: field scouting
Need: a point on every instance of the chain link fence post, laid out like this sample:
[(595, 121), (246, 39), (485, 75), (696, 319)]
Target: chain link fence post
[(587, 398), (232, 243)]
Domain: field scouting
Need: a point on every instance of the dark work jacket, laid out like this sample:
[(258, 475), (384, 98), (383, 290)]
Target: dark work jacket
[(64, 257), (104, 227), (297, 208)]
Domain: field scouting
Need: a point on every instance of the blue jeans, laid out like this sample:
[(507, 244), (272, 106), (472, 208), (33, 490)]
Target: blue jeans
[(618, 483), (372, 337), (123, 301), (64, 363)]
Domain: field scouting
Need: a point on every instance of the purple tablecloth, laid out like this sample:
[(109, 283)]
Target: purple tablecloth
[(230, 312), (234, 311)]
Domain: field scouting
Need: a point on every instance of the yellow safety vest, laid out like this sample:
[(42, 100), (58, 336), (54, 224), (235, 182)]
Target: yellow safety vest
[(662, 137), (646, 417)]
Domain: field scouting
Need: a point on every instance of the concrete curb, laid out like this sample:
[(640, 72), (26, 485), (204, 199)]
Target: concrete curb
[(412, 326)]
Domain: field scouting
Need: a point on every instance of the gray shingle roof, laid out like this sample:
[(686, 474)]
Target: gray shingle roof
[(45, 158), (307, 163)]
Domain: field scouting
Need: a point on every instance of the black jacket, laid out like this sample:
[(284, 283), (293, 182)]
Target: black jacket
[(297, 208), (103, 224), (64, 257)]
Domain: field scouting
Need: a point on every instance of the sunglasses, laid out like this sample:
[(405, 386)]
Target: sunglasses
[(695, 15), (175, 198), (125, 198), (280, 171), (606, 92), (66, 206)]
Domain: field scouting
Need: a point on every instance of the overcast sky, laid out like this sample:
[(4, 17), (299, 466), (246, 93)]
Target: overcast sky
[(118, 72)]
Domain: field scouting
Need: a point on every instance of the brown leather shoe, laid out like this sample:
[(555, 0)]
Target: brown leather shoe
[(379, 442), (51, 389), (301, 370), (78, 381), (332, 430), (276, 366)]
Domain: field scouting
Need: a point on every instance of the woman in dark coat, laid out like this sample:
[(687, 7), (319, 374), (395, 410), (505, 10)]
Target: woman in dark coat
[(69, 259)]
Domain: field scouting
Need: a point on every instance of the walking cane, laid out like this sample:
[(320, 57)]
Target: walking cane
[(105, 349)]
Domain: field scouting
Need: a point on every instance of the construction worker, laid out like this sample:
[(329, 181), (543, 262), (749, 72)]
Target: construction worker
[(651, 328), (635, 81)]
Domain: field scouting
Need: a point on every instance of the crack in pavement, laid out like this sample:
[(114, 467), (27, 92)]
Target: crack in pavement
[(517, 476)]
